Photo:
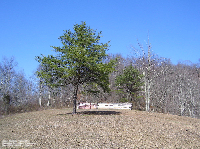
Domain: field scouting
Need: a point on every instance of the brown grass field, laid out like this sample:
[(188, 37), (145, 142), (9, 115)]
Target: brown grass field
[(57, 128)]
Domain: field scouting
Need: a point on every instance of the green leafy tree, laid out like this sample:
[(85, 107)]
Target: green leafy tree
[(129, 83), (80, 60)]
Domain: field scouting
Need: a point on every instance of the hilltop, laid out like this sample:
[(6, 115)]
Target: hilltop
[(57, 128)]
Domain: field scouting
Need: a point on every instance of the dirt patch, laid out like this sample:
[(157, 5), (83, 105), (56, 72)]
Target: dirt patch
[(58, 128)]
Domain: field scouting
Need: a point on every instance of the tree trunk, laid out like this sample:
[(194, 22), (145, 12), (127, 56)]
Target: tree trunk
[(40, 95), (40, 98), (40, 101), (49, 98), (147, 91), (74, 98)]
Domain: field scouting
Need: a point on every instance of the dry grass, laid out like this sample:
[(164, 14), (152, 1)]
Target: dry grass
[(56, 128)]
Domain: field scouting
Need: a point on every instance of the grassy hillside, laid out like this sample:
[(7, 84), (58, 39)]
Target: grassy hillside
[(57, 128)]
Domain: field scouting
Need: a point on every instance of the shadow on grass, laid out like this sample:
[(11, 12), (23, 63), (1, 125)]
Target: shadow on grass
[(95, 113)]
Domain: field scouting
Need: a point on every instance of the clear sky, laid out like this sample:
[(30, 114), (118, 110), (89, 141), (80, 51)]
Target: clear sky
[(29, 27)]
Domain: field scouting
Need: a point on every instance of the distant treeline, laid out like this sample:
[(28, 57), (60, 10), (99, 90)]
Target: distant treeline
[(166, 87)]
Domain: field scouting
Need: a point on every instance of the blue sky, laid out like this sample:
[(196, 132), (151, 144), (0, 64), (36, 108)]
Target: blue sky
[(29, 27)]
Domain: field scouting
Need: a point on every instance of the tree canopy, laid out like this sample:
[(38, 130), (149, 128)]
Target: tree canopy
[(80, 60), (130, 81)]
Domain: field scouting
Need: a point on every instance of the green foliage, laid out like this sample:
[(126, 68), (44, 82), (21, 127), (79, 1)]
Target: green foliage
[(92, 88), (129, 82), (123, 100), (79, 60)]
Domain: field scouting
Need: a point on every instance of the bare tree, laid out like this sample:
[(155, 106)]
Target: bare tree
[(7, 73)]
